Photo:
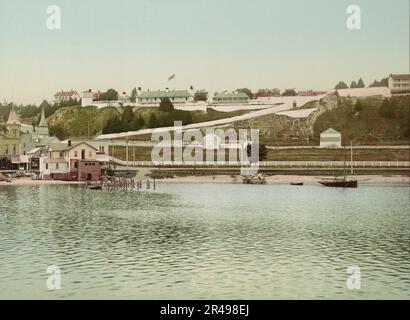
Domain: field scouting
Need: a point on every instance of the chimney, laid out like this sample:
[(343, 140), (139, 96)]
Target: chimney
[(166, 89), (69, 143)]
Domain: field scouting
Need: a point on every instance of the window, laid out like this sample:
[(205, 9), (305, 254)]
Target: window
[(76, 165), (57, 165), (75, 154), (61, 154), (47, 166), (14, 149)]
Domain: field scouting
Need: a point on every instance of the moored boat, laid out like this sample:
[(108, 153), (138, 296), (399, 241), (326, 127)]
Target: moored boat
[(340, 183), (252, 179)]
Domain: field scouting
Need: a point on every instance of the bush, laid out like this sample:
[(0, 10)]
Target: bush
[(166, 105)]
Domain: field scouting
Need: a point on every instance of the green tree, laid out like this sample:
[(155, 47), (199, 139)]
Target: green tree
[(141, 121), (166, 105), (289, 92), (29, 111), (201, 95), (360, 83), (275, 92), (246, 91), (110, 95), (48, 108), (126, 118), (382, 83), (358, 106), (133, 96), (134, 125), (58, 131), (113, 125), (386, 110), (353, 85), (153, 121), (341, 85), (263, 152)]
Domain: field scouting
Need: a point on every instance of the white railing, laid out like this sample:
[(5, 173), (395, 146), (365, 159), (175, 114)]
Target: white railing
[(286, 164)]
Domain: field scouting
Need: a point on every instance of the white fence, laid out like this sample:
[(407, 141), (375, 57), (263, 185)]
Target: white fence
[(278, 164)]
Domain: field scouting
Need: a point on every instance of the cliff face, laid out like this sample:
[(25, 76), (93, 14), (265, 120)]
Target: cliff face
[(280, 129), (328, 103)]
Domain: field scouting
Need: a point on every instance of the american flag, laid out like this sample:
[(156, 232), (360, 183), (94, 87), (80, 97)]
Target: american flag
[(171, 77)]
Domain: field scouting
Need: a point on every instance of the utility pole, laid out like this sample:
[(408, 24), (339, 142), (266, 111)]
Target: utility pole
[(126, 152), (351, 157)]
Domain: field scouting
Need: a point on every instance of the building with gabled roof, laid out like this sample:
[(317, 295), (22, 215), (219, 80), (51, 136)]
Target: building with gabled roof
[(330, 138), (66, 96), (399, 83), (230, 97), (154, 97)]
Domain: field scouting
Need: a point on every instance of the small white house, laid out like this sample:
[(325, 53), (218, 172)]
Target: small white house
[(330, 139)]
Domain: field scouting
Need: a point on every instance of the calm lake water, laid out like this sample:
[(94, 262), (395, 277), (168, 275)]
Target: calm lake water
[(199, 241)]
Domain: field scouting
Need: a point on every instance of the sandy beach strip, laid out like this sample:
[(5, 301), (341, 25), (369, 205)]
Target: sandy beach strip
[(28, 181), (287, 179)]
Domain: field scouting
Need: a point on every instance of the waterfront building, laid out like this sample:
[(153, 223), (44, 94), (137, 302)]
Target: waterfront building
[(230, 98), (330, 139), (84, 170), (67, 161), (399, 83), (54, 169), (102, 146)]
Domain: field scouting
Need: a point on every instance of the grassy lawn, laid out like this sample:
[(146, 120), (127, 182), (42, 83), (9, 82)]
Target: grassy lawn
[(308, 154)]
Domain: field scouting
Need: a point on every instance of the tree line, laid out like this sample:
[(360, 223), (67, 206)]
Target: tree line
[(133, 121), (360, 84)]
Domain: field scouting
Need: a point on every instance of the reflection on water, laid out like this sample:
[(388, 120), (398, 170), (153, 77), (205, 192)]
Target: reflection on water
[(205, 241)]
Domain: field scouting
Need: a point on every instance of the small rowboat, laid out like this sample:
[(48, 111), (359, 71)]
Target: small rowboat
[(296, 183), (95, 187)]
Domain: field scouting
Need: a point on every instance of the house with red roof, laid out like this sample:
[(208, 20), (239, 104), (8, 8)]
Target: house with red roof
[(66, 96)]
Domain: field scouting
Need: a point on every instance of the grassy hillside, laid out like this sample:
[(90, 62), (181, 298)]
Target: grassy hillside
[(362, 122), (365, 122), (80, 121)]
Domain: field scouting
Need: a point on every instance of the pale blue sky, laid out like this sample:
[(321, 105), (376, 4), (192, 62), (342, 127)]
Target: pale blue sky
[(211, 44)]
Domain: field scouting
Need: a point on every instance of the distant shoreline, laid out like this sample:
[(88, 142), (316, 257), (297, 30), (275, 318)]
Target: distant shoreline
[(397, 180)]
